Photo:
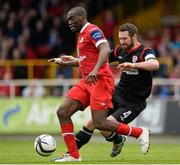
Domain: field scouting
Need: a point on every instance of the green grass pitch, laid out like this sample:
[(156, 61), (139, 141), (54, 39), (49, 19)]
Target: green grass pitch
[(96, 152)]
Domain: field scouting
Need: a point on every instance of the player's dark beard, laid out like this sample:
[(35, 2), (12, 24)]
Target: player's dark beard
[(129, 46)]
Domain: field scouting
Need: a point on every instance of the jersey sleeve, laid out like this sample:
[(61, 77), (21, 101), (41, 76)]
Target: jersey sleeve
[(148, 54), (97, 37), (113, 56)]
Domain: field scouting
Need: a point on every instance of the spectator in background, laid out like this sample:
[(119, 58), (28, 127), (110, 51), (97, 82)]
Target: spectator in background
[(7, 47), (166, 62), (166, 68), (19, 72), (61, 74), (12, 28), (153, 39), (109, 23), (34, 90), (166, 91), (55, 8), (176, 56), (6, 89), (165, 39), (176, 43), (54, 40), (23, 19), (176, 73), (40, 39)]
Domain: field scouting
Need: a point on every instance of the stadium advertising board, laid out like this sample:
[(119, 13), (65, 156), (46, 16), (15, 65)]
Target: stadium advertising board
[(22, 115)]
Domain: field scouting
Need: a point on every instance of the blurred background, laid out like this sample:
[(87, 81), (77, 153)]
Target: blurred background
[(31, 32)]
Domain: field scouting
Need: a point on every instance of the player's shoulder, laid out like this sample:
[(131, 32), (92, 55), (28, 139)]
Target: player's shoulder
[(145, 49), (117, 49), (93, 27), (148, 53), (118, 46)]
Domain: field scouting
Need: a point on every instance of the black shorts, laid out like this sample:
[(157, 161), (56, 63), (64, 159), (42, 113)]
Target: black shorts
[(126, 111)]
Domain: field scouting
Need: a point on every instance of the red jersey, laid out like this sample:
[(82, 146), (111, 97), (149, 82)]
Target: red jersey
[(89, 38)]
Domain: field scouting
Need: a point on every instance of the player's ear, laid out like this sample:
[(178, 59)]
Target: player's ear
[(134, 37)]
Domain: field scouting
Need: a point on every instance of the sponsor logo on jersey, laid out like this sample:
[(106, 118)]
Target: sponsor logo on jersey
[(81, 58), (103, 104), (131, 72), (97, 35), (134, 59), (120, 57)]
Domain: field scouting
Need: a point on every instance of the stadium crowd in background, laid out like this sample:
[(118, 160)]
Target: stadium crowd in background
[(31, 29)]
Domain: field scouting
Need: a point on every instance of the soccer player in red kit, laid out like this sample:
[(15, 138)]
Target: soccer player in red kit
[(94, 89)]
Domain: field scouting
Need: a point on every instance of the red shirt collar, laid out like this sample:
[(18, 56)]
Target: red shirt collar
[(133, 49)]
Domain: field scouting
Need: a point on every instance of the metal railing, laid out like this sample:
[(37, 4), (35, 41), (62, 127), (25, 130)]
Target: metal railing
[(67, 83), (30, 65)]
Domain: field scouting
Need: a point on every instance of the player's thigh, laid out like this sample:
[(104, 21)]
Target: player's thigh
[(98, 118), (101, 94), (79, 93), (126, 114), (116, 99), (68, 107), (76, 99)]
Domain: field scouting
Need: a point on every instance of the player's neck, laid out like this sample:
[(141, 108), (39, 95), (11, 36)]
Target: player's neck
[(136, 44), (84, 26)]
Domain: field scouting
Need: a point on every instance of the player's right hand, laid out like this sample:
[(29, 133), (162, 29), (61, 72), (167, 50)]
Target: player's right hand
[(65, 60), (56, 60)]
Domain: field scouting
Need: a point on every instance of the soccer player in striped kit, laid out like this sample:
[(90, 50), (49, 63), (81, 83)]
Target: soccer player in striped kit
[(95, 89), (129, 98)]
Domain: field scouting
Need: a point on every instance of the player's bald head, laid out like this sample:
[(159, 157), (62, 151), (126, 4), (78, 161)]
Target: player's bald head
[(79, 11), (77, 18)]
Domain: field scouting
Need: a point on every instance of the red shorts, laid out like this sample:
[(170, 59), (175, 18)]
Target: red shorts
[(98, 96)]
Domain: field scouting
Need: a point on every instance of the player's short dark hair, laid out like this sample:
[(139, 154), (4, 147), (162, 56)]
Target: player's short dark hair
[(79, 11), (131, 28)]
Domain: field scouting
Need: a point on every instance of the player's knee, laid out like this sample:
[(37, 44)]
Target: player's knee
[(99, 125), (62, 113)]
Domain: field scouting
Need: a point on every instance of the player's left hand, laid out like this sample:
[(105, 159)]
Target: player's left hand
[(126, 66), (92, 77)]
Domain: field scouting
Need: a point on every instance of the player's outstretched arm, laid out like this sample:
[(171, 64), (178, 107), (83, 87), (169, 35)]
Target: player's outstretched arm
[(149, 65), (65, 61)]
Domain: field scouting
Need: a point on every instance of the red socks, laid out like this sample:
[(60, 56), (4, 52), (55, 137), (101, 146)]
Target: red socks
[(69, 138), (125, 129)]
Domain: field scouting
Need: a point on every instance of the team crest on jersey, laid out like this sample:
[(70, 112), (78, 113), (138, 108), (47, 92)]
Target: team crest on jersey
[(120, 57), (134, 59), (81, 40)]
